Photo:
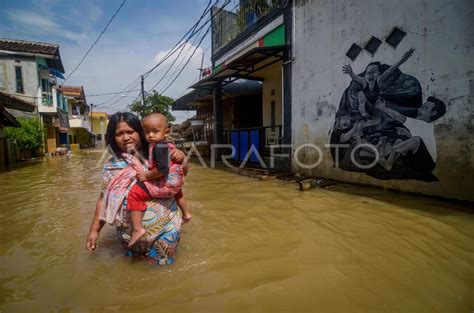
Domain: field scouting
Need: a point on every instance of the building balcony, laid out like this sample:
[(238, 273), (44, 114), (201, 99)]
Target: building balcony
[(239, 20), (78, 121), (46, 103)]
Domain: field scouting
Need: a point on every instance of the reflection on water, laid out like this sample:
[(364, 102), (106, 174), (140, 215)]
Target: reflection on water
[(251, 246)]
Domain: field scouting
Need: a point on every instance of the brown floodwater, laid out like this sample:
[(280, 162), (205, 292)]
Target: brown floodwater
[(252, 246)]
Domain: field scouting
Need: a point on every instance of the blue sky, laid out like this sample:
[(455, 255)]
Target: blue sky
[(138, 37)]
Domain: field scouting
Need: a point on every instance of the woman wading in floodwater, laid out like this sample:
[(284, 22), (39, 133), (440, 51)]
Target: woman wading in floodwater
[(125, 137)]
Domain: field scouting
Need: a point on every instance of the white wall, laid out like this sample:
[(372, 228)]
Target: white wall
[(272, 81), (29, 71), (30, 79), (442, 32)]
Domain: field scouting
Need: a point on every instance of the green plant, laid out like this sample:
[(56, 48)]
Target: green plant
[(154, 103), (29, 135)]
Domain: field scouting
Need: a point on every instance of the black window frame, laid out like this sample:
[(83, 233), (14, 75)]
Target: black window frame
[(20, 88)]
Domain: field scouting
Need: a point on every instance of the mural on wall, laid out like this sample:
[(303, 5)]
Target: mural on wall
[(382, 112)]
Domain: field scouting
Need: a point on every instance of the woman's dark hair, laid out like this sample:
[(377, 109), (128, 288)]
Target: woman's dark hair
[(134, 123), (373, 63), (439, 107), (382, 68)]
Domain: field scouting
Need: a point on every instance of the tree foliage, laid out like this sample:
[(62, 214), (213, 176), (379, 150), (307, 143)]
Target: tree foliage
[(29, 135), (154, 103)]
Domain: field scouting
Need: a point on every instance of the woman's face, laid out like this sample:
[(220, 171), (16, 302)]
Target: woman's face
[(126, 137)]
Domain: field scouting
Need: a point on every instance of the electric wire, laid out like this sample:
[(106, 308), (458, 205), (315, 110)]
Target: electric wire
[(177, 57), (173, 50), (170, 52), (95, 42), (111, 93), (187, 62), (202, 38)]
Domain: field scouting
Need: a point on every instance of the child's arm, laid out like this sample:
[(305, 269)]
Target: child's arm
[(346, 136), (380, 104), (392, 68), (177, 155), (149, 175), (347, 69), (185, 166)]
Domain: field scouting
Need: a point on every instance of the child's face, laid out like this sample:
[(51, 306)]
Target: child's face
[(155, 129), (344, 122), (426, 111), (372, 73)]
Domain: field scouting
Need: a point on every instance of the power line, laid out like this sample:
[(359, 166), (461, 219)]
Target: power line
[(130, 86), (176, 59), (172, 50), (175, 48), (95, 42), (187, 62), (185, 89), (202, 38), (111, 93)]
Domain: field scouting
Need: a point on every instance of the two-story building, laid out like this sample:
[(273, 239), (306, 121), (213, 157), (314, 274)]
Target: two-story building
[(29, 71), (79, 133), (99, 122), (250, 79), (370, 92)]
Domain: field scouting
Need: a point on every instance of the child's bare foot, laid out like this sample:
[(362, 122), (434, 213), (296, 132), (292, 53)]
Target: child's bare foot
[(186, 218), (136, 235)]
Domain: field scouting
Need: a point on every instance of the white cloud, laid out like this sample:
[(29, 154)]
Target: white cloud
[(37, 24), (113, 68), (187, 50), (188, 76), (133, 43)]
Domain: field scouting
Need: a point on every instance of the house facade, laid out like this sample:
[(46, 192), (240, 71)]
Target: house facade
[(99, 122), (79, 133), (369, 92), (251, 42), (29, 71)]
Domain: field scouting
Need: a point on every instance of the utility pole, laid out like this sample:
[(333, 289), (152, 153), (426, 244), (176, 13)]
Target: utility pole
[(201, 69), (91, 119), (143, 91), (92, 123), (92, 111)]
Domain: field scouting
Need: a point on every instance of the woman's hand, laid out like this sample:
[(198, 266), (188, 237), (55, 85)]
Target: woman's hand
[(177, 155), (347, 69), (91, 242)]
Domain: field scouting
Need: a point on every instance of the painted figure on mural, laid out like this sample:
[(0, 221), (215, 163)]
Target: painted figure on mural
[(381, 112)]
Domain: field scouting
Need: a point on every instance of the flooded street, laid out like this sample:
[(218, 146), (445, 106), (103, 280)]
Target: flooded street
[(251, 246)]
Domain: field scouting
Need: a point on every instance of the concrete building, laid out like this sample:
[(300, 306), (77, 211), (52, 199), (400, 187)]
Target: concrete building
[(251, 41), (79, 133), (405, 123), (28, 71), (370, 92), (99, 122)]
